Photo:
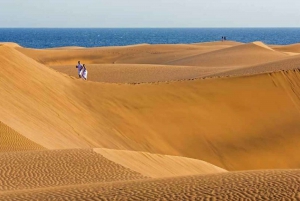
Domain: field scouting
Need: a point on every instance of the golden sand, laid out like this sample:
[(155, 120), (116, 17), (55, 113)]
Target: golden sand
[(147, 115), (10, 140), (256, 185)]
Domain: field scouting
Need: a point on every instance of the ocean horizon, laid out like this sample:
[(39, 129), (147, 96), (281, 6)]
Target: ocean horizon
[(98, 37)]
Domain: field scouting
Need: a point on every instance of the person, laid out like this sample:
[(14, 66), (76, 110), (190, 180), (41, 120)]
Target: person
[(79, 68), (84, 72), (222, 38)]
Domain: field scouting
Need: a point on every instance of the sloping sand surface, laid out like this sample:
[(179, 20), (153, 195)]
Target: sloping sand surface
[(35, 100), (237, 56), (216, 120), (256, 185), (157, 166), (138, 54), (193, 126), (290, 63), (40, 169), (220, 43), (10, 140), (288, 48), (139, 73), (161, 54)]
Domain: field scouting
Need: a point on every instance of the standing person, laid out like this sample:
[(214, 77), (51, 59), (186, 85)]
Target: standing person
[(79, 68), (84, 72), (222, 38)]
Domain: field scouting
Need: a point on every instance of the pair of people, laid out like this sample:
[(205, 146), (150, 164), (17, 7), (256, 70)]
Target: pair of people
[(82, 71)]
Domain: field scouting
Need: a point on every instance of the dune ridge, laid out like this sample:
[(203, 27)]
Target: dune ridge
[(156, 165), (236, 56)]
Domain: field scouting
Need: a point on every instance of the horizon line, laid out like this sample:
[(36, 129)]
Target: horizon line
[(149, 27)]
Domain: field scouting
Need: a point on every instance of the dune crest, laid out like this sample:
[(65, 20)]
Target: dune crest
[(10, 44), (236, 56)]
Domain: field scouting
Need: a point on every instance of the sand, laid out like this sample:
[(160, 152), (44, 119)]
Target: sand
[(182, 118), (157, 165), (140, 54), (294, 48), (153, 122), (10, 140), (140, 73), (41, 169), (236, 56), (256, 185)]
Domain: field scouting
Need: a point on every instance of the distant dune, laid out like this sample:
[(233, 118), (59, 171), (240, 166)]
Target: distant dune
[(237, 56), (138, 54), (152, 122), (295, 48)]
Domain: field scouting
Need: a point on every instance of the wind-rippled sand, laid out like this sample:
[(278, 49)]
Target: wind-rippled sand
[(10, 140), (257, 185)]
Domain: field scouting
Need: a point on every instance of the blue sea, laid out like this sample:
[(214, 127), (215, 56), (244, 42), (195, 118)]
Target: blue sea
[(95, 37)]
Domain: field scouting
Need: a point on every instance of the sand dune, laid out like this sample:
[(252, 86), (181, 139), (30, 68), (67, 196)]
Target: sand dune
[(237, 56), (157, 166), (10, 140), (290, 63), (40, 111), (138, 54), (288, 48), (256, 185), (186, 118), (142, 73), (139, 73), (161, 54), (13, 45), (108, 140), (220, 43)]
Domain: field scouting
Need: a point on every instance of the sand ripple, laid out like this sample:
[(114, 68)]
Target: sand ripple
[(37, 169), (256, 185), (11, 140)]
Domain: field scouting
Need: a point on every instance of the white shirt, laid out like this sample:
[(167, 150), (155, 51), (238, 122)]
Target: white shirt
[(79, 66)]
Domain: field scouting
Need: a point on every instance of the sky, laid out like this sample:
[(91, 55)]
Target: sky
[(149, 13)]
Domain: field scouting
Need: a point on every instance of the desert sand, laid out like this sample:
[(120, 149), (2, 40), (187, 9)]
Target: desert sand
[(205, 121)]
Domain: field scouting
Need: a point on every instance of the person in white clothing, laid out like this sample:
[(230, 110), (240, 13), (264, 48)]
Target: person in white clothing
[(84, 72), (79, 68)]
